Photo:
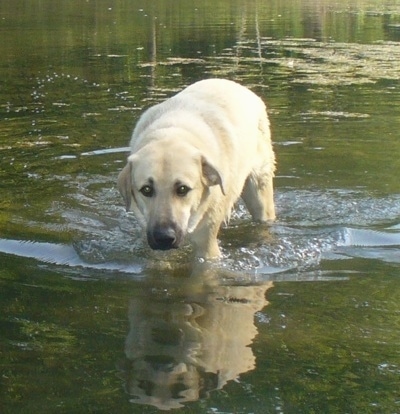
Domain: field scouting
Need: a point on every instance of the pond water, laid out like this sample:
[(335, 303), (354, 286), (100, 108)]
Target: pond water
[(301, 317)]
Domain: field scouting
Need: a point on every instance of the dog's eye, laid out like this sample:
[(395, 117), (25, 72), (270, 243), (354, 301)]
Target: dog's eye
[(182, 190), (147, 191)]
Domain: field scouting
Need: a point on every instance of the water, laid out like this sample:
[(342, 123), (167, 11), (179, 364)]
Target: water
[(298, 317)]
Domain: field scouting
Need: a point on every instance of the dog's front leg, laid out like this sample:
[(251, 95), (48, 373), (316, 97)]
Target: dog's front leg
[(205, 243)]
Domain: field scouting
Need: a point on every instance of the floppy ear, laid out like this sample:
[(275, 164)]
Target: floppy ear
[(211, 174), (124, 184)]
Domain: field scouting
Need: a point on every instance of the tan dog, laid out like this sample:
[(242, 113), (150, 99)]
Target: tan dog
[(192, 157)]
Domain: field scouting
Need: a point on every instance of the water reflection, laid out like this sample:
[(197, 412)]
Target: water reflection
[(185, 342)]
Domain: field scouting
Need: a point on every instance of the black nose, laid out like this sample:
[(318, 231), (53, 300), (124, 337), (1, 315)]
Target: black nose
[(162, 238)]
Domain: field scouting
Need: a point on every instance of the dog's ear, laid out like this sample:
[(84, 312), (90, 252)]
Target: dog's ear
[(211, 174), (124, 184)]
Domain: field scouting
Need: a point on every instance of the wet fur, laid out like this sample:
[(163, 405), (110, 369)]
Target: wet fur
[(212, 138)]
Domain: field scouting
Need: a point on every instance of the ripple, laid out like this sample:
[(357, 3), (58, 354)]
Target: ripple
[(370, 238), (59, 254), (106, 151), (313, 227)]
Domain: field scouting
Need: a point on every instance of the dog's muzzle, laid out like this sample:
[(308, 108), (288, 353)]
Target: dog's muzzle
[(164, 238)]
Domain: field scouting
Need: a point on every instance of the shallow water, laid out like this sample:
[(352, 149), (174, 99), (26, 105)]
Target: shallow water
[(300, 316)]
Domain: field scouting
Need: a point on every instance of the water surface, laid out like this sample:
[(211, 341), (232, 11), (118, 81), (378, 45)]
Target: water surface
[(302, 316)]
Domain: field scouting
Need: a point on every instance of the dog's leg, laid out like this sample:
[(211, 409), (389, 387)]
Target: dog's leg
[(258, 195), (258, 190), (205, 242)]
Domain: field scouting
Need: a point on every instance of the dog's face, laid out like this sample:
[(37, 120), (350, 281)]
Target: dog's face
[(167, 187)]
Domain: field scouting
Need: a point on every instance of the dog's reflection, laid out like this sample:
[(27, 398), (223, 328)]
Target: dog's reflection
[(184, 343)]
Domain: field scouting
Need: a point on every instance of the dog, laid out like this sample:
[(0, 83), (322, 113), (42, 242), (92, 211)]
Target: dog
[(192, 157)]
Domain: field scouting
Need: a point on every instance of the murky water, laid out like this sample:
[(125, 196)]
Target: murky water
[(299, 317)]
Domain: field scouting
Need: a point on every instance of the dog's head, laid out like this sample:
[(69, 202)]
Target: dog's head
[(168, 186)]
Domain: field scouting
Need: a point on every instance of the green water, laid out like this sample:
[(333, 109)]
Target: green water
[(303, 317)]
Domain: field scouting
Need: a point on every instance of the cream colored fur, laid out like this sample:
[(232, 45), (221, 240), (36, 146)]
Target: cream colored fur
[(192, 157)]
